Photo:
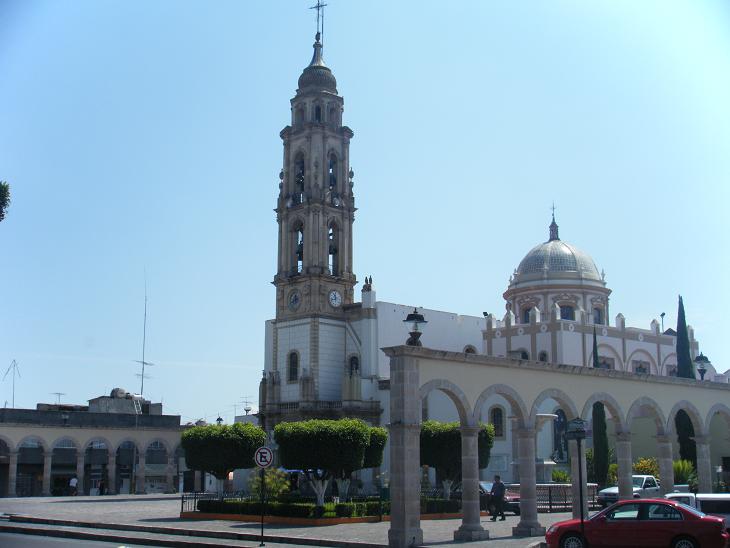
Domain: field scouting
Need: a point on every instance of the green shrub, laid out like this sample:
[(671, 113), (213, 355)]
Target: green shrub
[(612, 477), (344, 510), (283, 509), (647, 466), (560, 476), (277, 483), (682, 471), (439, 506)]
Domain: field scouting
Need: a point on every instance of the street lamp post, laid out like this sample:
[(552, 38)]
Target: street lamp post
[(577, 431), (701, 363), (416, 319)]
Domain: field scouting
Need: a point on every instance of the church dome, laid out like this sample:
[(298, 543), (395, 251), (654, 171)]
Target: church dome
[(317, 76), (557, 256), (556, 259)]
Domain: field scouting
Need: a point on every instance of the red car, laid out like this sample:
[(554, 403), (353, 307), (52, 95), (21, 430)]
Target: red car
[(644, 523)]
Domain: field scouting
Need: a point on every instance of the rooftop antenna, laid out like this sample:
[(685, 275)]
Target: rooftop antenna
[(16, 371), (319, 6), (247, 404), (58, 396), (144, 363)]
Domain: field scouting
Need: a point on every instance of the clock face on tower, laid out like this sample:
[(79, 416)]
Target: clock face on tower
[(335, 299), (294, 300)]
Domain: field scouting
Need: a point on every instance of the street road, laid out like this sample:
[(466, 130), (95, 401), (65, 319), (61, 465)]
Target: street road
[(31, 541)]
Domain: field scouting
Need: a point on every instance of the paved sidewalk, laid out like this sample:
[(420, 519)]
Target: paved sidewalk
[(163, 511)]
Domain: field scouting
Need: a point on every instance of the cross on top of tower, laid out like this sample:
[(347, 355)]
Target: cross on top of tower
[(553, 227), (319, 6)]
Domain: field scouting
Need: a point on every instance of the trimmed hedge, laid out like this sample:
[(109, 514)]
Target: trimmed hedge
[(285, 509), (440, 506)]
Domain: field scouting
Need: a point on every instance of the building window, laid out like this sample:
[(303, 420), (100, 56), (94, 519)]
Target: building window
[(299, 116), (496, 418), (641, 367), (543, 357), (318, 114), (354, 366), (605, 363), (598, 316), (526, 315), (671, 371), (567, 312), (332, 116), (292, 374), (469, 349)]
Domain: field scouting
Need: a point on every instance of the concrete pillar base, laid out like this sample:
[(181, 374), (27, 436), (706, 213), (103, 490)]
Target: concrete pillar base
[(471, 533), (403, 539), (528, 530)]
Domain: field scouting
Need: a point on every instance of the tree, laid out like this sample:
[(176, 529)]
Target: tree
[(600, 444), (647, 466), (221, 449), (685, 437), (685, 367), (277, 483), (4, 198), (325, 449), (441, 449)]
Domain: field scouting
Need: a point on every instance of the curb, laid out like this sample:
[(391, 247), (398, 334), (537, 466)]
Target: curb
[(202, 533)]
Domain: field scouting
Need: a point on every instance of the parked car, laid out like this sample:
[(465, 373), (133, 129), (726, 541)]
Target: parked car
[(642, 522), (642, 485), (713, 504), (511, 499)]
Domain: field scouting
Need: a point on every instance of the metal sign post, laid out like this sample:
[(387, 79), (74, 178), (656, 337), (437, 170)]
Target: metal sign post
[(263, 458)]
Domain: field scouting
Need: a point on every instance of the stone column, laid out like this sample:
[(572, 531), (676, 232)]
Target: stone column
[(140, 474), (13, 473), (46, 489), (576, 486), (528, 526), (405, 431), (625, 469), (80, 455), (666, 468), (170, 474), (704, 468), (471, 528), (111, 474)]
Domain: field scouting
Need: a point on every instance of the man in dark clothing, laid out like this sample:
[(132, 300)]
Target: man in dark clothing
[(497, 499)]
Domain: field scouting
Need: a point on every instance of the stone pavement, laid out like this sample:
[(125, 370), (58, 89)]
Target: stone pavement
[(163, 511)]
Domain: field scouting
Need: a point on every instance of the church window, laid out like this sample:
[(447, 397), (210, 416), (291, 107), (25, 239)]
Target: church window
[(496, 418), (318, 114), (567, 312), (354, 366), (299, 116), (526, 315), (333, 255), (299, 172), (298, 252), (332, 171), (469, 349), (292, 374), (543, 357), (332, 116), (598, 316)]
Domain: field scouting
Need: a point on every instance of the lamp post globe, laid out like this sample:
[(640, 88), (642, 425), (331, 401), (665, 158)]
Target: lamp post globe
[(702, 363), (416, 319)]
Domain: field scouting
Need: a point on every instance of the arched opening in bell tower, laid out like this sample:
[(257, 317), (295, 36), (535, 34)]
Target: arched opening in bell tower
[(297, 239), (299, 171), (333, 249), (332, 171)]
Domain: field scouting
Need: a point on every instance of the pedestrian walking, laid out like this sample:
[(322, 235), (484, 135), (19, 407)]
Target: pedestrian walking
[(497, 498), (72, 485)]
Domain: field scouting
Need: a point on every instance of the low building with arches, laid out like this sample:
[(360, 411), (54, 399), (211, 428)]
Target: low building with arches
[(119, 443)]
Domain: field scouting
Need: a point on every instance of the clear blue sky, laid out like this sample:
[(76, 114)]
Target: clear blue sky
[(144, 135)]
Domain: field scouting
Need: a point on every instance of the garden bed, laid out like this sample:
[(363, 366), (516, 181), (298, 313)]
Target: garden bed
[(285, 520)]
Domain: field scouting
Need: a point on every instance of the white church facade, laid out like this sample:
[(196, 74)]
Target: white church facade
[(323, 355)]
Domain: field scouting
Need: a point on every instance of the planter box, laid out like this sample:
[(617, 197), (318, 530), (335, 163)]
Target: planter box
[(283, 520)]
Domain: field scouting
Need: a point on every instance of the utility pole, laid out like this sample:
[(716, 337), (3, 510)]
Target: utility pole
[(16, 371)]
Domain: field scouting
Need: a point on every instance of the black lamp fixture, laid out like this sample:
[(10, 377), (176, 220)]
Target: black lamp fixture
[(701, 363), (219, 420), (576, 430), (416, 319)]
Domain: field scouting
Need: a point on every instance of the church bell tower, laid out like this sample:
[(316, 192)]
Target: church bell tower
[(316, 207)]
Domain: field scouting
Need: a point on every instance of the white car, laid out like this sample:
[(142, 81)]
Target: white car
[(714, 504), (643, 487)]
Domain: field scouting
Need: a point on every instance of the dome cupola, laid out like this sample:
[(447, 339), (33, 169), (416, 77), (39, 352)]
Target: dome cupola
[(317, 76)]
